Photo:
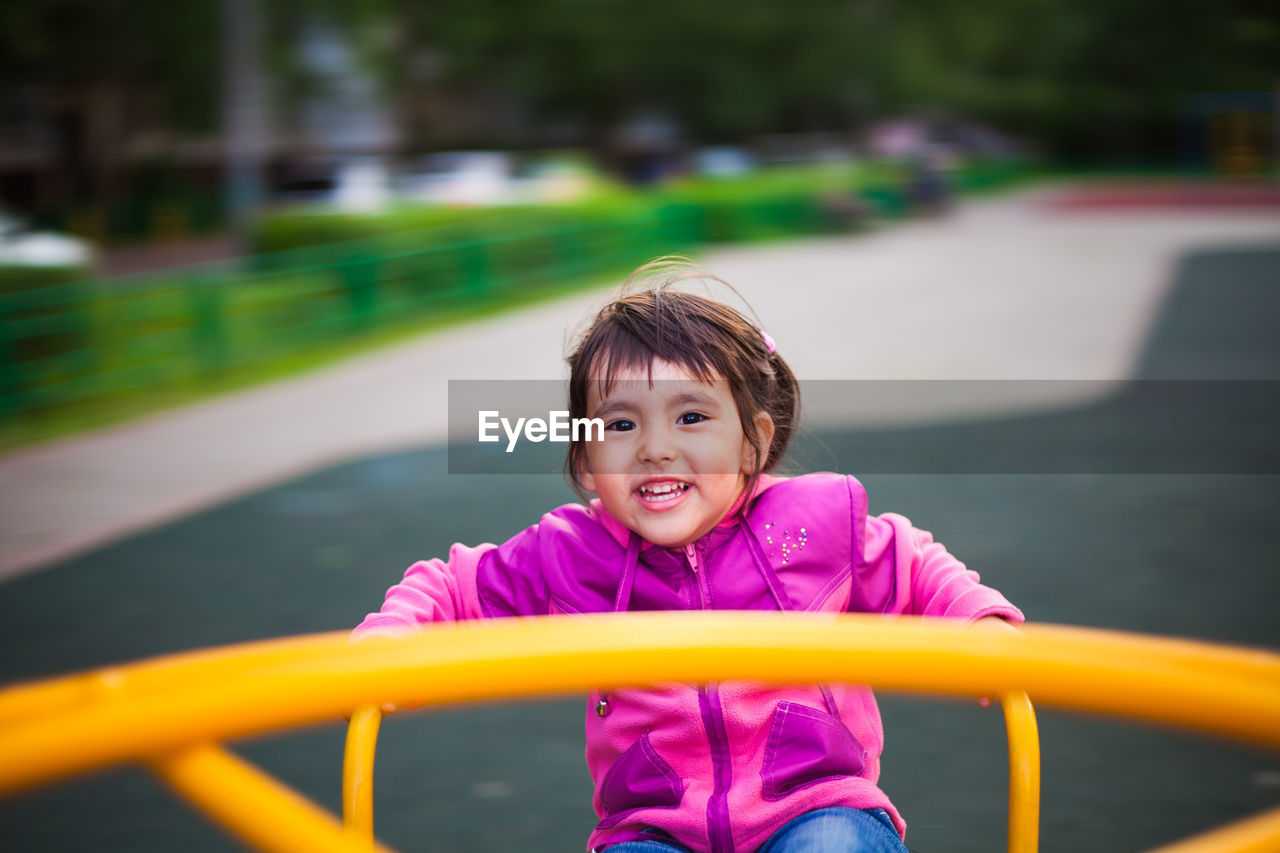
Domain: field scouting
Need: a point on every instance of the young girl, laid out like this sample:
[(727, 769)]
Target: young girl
[(698, 408)]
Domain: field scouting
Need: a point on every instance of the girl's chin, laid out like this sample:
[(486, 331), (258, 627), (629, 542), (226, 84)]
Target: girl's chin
[(663, 528), (677, 534), (674, 542)]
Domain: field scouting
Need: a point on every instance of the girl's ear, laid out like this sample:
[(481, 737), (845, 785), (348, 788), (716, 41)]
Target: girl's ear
[(585, 477), (754, 457)]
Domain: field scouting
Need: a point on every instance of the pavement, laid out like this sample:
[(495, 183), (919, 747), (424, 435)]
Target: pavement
[(1035, 285)]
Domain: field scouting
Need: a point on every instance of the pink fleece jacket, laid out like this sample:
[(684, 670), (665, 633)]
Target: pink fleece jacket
[(716, 767)]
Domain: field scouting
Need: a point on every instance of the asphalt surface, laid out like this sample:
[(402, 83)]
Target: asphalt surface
[(1116, 530)]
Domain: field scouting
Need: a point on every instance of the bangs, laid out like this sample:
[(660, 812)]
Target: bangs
[(628, 342), (626, 355)]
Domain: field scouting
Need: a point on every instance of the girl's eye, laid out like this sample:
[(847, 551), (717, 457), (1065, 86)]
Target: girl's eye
[(690, 418), (620, 425)]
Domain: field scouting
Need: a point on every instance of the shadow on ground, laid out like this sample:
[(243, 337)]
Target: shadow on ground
[(1112, 544)]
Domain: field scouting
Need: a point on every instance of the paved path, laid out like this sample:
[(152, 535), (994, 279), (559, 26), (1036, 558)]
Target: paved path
[(1017, 287)]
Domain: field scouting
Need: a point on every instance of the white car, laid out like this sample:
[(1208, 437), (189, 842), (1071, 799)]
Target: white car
[(344, 185), (480, 178), (461, 179), (22, 247), (723, 161)]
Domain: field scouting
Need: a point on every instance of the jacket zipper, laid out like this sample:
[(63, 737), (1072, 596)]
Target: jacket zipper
[(719, 830), (704, 595)]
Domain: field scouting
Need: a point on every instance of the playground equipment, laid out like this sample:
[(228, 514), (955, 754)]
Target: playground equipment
[(171, 713)]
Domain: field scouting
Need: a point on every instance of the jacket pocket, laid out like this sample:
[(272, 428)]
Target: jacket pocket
[(640, 779), (806, 746)]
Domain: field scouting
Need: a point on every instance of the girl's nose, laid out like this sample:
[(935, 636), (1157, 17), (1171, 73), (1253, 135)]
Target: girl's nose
[(656, 445)]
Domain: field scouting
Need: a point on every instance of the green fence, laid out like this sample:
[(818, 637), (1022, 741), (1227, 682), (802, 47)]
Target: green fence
[(84, 344), (81, 342)]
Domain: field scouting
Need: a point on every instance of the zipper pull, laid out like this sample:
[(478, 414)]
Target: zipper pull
[(692, 554)]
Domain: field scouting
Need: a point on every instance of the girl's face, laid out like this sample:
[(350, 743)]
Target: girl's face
[(674, 456)]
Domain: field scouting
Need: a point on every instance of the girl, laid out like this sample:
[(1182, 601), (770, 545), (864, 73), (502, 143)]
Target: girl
[(698, 408)]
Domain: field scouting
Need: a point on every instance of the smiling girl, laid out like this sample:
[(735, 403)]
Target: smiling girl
[(698, 408)]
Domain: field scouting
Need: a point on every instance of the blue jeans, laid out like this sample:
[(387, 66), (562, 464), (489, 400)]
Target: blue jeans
[(831, 830)]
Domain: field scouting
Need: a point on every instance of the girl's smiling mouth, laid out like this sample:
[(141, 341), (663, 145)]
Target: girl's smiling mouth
[(660, 494)]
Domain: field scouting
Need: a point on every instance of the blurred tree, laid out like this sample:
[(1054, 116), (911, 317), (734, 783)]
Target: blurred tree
[(1086, 77), (723, 69), (100, 68), (102, 73)]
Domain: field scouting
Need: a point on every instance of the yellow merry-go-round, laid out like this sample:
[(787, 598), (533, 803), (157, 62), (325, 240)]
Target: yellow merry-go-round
[(172, 713)]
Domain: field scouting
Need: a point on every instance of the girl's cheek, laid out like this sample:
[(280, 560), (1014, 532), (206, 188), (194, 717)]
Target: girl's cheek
[(606, 455)]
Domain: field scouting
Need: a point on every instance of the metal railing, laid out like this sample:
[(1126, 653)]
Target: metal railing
[(91, 341), (98, 341)]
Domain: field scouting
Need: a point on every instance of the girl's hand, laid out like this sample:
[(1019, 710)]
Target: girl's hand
[(995, 622)]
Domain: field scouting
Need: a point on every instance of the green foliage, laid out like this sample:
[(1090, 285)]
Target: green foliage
[(1087, 75), (170, 50), (1074, 74), (42, 318), (397, 228), (19, 278), (721, 202), (1067, 71)]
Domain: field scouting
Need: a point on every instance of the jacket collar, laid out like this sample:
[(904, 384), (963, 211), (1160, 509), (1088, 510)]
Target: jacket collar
[(622, 535)]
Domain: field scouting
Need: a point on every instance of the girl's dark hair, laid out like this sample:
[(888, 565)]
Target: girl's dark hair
[(708, 338)]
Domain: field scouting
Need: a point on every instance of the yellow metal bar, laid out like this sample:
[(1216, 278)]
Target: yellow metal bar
[(1024, 773), (40, 698), (1258, 834), (357, 771), (252, 805), (1224, 690)]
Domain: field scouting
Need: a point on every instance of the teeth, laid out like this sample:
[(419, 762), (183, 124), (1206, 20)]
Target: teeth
[(663, 491)]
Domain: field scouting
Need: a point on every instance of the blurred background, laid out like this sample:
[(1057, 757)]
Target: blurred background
[(332, 208), (357, 165)]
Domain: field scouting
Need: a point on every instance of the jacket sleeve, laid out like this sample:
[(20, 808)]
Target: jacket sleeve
[(431, 591), (919, 577), (473, 583)]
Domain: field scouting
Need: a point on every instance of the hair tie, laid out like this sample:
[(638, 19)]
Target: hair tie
[(768, 342)]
